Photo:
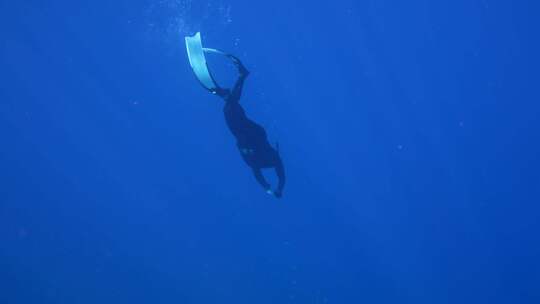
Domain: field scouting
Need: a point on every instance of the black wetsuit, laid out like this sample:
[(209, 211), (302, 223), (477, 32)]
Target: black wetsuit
[(251, 138)]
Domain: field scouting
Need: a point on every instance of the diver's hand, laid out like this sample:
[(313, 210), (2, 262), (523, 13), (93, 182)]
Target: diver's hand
[(269, 192), (278, 194)]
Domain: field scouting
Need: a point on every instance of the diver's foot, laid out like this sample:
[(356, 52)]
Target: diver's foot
[(243, 71)]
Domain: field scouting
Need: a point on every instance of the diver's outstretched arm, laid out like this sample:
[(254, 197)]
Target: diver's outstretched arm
[(260, 178), (280, 172)]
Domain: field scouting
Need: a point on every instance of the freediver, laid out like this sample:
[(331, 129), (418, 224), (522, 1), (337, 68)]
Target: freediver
[(251, 138)]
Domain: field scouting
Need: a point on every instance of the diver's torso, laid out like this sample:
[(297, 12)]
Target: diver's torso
[(251, 138), (247, 132), (259, 157)]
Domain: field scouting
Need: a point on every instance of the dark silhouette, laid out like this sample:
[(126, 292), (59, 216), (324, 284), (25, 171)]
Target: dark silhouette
[(251, 138)]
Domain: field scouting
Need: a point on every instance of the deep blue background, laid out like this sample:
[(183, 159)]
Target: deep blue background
[(409, 130)]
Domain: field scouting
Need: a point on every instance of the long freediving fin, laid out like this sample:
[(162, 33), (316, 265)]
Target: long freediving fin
[(197, 61)]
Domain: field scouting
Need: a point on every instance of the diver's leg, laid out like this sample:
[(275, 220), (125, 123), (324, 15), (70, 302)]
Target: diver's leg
[(236, 92), (223, 93), (241, 68), (232, 109)]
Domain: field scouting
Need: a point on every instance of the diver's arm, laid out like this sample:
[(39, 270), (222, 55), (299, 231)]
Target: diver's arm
[(280, 172), (260, 178)]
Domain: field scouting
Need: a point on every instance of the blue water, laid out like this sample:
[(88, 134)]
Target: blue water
[(409, 132)]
